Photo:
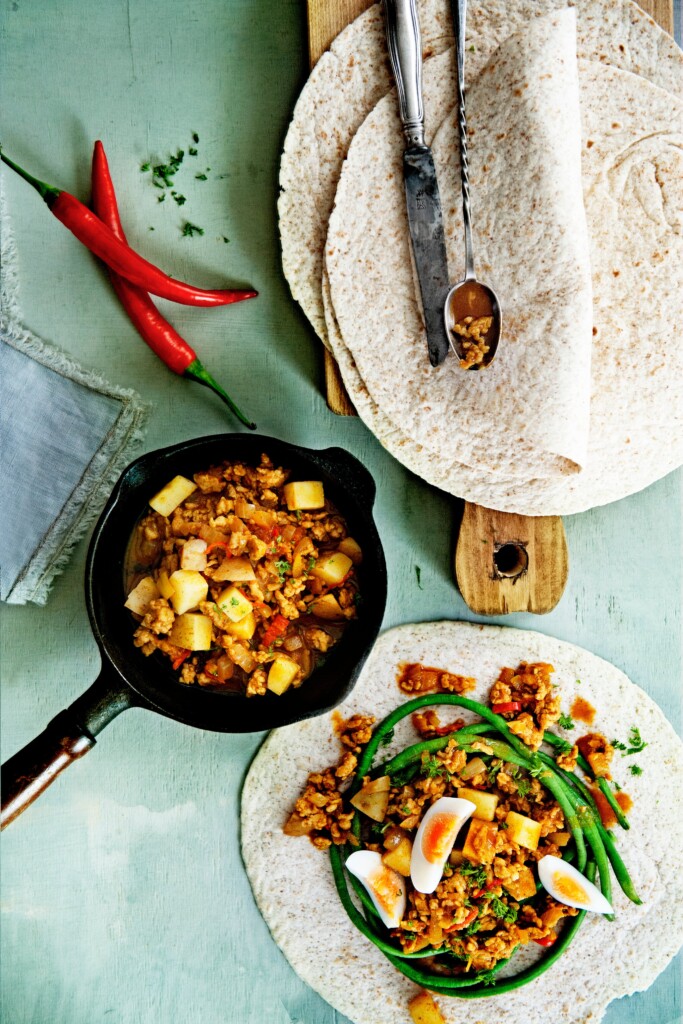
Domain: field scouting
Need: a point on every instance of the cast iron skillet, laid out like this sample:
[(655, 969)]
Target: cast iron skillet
[(130, 679)]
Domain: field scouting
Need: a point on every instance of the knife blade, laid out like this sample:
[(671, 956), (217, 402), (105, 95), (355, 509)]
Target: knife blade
[(419, 173)]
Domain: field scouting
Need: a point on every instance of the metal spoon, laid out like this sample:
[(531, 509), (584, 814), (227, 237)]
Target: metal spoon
[(469, 298)]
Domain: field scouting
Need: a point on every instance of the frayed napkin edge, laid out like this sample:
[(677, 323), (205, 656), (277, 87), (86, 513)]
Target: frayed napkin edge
[(51, 557)]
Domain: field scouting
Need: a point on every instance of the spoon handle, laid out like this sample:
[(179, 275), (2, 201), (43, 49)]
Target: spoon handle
[(405, 53), (459, 12)]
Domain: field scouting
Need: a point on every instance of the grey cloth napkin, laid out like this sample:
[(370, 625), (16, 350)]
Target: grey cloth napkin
[(65, 436)]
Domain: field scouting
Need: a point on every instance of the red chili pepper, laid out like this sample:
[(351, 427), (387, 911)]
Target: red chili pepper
[(548, 941), (118, 255), (177, 662), (276, 629), (153, 328), (506, 708)]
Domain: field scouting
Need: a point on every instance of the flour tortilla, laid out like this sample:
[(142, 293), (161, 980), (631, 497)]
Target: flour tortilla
[(354, 74), (632, 164), (292, 880), (530, 408)]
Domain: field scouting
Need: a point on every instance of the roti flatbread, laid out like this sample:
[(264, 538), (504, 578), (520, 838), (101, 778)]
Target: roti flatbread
[(354, 74), (632, 164), (292, 880)]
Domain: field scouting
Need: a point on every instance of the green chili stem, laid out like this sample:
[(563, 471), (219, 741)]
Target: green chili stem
[(195, 371), (47, 192)]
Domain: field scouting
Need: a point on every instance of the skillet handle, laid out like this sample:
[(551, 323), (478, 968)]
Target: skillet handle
[(69, 736)]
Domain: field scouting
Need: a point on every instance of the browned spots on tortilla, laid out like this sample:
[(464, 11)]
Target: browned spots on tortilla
[(615, 124), (582, 710), (589, 143), (595, 331), (616, 273)]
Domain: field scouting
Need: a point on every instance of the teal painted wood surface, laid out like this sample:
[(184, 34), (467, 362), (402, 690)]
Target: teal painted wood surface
[(123, 894)]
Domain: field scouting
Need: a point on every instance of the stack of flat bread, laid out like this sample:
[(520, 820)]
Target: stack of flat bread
[(576, 152)]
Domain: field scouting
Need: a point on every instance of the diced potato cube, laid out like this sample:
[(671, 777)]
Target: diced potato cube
[(234, 604), (457, 857), (189, 588), (140, 596), (522, 887), (304, 494), (236, 570), (485, 803), (170, 496), (373, 799), (480, 845), (326, 607), (351, 548), (332, 569), (164, 584), (399, 857), (244, 629), (191, 631), (424, 1010), (524, 831), (193, 554), (283, 672)]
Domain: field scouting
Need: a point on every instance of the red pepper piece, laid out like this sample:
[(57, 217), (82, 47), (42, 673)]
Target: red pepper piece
[(183, 656), (463, 924), (118, 255), (218, 544), (276, 629), (548, 941), (153, 328), (507, 707)]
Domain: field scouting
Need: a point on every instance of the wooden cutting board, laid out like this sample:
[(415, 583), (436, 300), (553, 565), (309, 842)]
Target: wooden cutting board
[(503, 562)]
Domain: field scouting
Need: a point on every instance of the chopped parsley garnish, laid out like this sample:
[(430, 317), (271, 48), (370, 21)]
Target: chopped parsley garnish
[(418, 572), (475, 872), (565, 721), (190, 230), (615, 786), (636, 743), (474, 927), (405, 809), (562, 746), (226, 240), (523, 787), (432, 768), (311, 563), (201, 177), (195, 137), (161, 198), (402, 778), (502, 911), (234, 601), (145, 167), (192, 151), (180, 199), (379, 828), (635, 769), (492, 773), (282, 567)]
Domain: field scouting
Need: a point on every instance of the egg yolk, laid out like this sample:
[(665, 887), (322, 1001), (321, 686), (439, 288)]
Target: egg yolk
[(568, 888), (438, 837), (386, 889)]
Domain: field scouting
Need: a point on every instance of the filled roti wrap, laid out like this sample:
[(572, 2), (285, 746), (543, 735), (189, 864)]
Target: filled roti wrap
[(293, 883)]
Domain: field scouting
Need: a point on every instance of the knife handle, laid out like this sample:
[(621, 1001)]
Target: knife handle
[(405, 53)]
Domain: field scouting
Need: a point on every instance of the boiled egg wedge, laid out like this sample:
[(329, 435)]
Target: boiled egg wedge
[(435, 838), (569, 886), (385, 887)]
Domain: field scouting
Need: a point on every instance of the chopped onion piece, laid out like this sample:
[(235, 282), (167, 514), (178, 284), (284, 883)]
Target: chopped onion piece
[(472, 768)]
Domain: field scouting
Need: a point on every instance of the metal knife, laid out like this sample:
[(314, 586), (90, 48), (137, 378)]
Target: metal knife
[(419, 174)]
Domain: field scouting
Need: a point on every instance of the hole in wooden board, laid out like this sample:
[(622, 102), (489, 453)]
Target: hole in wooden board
[(510, 560)]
